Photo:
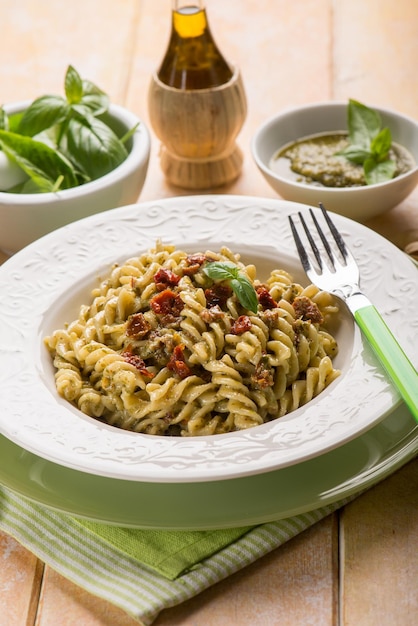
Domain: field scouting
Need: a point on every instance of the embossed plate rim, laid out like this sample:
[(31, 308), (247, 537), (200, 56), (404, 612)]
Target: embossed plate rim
[(34, 417)]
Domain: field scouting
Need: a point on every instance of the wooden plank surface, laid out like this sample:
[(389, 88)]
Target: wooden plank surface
[(40, 39), (290, 587), (357, 568), (20, 583), (379, 536)]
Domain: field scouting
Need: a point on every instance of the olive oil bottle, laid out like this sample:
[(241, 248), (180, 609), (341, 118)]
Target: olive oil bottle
[(192, 60), (197, 105)]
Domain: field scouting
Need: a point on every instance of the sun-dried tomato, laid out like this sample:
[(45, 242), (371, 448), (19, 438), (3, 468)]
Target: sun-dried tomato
[(217, 295), (265, 299), (138, 363), (167, 303), (198, 258), (212, 314), (307, 310), (262, 376), (177, 363), (241, 325), (165, 278), (137, 326), (194, 263)]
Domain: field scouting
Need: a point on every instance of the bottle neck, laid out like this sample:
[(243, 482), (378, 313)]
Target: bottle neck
[(189, 20), (179, 5)]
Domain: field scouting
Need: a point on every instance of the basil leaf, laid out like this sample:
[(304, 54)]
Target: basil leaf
[(381, 144), (245, 293), (73, 85), (40, 162), (126, 137), (43, 113), (221, 270), (49, 137), (4, 120), (39, 184), (378, 172), (9, 121), (356, 154), (14, 121), (239, 282), (369, 143), (81, 110), (94, 146), (94, 98), (363, 124)]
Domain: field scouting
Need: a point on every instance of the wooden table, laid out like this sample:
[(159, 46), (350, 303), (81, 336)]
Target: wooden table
[(358, 567)]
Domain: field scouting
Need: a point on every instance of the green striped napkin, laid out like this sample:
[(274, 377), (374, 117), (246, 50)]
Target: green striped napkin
[(169, 553), (141, 571)]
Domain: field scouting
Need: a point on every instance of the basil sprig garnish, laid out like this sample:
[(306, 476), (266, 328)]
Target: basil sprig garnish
[(62, 142), (237, 280), (369, 143)]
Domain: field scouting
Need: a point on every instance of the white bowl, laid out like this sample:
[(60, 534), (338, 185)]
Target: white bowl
[(358, 203), (26, 217)]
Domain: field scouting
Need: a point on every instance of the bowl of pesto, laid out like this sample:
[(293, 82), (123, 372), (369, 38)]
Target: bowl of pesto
[(358, 161)]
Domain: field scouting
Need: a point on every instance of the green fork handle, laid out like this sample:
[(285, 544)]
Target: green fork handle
[(390, 354)]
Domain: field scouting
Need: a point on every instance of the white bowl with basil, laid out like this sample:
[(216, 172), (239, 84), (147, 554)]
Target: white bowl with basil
[(65, 158), (358, 161)]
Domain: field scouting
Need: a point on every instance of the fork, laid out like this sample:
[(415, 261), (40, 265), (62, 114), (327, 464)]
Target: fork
[(339, 274)]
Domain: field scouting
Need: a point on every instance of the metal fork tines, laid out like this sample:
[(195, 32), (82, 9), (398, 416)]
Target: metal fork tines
[(335, 271)]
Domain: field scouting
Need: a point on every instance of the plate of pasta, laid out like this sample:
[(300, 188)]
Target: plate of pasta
[(178, 341)]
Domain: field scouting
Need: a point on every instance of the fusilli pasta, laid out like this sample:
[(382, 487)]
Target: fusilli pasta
[(164, 349)]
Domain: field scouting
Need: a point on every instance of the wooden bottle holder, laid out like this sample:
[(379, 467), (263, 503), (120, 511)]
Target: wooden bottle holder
[(198, 129)]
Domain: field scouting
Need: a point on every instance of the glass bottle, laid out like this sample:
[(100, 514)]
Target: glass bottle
[(192, 60)]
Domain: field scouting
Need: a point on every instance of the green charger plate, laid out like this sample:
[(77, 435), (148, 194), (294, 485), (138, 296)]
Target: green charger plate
[(256, 499)]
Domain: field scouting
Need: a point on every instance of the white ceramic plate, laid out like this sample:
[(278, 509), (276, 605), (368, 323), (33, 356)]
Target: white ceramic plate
[(321, 481), (42, 287)]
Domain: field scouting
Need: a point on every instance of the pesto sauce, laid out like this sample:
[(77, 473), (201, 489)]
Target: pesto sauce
[(313, 160)]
